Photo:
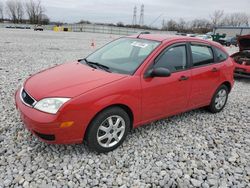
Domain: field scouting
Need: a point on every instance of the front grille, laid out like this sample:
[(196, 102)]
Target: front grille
[(26, 98), (48, 137)]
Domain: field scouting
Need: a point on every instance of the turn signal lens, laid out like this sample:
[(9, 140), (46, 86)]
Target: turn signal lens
[(66, 124)]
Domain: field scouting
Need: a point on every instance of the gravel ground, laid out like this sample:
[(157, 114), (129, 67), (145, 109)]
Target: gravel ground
[(194, 149)]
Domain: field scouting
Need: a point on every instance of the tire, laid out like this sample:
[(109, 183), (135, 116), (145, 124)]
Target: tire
[(108, 130), (219, 99)]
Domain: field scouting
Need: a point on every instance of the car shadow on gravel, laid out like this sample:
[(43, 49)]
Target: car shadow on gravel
[(134, 137)]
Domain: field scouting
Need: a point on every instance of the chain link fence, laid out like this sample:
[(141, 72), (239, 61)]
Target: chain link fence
[(232, 31), (91, 28)]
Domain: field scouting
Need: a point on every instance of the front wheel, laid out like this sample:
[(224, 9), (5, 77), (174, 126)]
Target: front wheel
[(219, 99), (108, 130)]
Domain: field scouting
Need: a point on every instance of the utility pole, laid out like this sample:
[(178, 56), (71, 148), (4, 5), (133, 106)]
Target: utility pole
[(134, 22), (163, 23), (141, 22)]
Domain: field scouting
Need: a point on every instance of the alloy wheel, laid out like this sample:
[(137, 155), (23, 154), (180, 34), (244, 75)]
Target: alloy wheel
[(220, 99), (111, 131)]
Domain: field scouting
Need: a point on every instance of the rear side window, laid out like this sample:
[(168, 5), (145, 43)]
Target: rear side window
[(174, 59), (202, 55), (221, 56)]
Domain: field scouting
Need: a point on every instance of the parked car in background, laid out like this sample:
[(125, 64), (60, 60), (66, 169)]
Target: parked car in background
[(17, 27), (228, 41), (38, 28), (231, 41), (191, 35), (204, 37), (181, 34), (10, 27), (123, 85), (242, 58)]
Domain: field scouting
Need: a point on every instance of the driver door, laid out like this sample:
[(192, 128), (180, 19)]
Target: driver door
[(164, 96)]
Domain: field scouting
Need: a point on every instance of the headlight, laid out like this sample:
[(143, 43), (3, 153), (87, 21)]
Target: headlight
[(50, 105)]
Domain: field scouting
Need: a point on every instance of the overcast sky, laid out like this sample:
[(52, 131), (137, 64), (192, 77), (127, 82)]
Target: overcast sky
[(113, 11)]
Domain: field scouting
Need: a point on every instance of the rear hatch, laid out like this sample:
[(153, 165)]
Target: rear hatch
[(244, 42)]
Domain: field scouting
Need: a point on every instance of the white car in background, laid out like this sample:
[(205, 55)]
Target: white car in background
[(205, 37), (191, 35)]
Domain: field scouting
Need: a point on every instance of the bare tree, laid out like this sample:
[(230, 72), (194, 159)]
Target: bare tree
[(236, 20), (200, 26), (194, 26), (217, 17), (45, 19), (15, 11), (11, 10), (19, 11), (170, 25), (181, 25), (204, 25), (1, 11), (34, 10)]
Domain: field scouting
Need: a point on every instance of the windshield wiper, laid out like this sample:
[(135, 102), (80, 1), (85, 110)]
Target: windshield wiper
[(104, 67)]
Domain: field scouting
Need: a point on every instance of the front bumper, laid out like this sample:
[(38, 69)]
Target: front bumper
[(242, 71), (46, 126)]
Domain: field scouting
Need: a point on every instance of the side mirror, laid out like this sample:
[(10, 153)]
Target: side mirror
[(158, 72)]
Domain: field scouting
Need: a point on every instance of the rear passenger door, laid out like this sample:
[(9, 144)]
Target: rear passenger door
[(205, 74)]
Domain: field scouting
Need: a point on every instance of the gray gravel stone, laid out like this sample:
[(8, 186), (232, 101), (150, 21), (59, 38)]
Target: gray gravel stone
[(212, 182), (7, 182), (196, 183), (205, 185), (195, 148), (26, 184)]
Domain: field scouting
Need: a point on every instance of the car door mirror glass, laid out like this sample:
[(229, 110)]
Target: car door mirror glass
[(158, 72)]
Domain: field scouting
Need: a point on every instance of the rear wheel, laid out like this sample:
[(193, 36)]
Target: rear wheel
[(219, 99), (108, 130)]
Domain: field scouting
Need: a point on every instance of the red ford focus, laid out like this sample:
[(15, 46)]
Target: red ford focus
[(127, 83)]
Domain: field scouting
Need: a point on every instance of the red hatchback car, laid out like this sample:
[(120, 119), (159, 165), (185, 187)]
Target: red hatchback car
[(242, 58), (127, 83)]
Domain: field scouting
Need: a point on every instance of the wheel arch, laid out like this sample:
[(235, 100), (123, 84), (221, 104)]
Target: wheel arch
[(228, 85), (126, 108)]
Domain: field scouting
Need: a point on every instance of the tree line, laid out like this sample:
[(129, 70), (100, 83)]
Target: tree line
[(30, 11), (33, 12), (217, 18)]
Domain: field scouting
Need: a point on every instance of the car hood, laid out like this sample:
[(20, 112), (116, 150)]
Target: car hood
[(68, 80), (244, 42)]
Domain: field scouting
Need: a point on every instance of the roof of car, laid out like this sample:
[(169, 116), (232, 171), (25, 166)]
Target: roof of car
[(164, 37), (158, 37)]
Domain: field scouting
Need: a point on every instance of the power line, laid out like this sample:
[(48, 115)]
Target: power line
[(155, 20)]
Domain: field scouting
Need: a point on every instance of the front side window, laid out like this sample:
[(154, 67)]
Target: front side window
[(174, 59), (124, 55), (202, 55)]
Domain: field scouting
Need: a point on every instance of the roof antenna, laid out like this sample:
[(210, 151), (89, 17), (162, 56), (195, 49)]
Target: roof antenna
[(142, 33)]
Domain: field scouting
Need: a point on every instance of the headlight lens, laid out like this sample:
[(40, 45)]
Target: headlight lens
[(50, 105)]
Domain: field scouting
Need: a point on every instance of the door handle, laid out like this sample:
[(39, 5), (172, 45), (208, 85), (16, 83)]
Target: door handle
[(183, 78), (214, 70)]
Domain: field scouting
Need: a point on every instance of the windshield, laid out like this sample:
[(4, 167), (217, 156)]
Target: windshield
[(123, 56)]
